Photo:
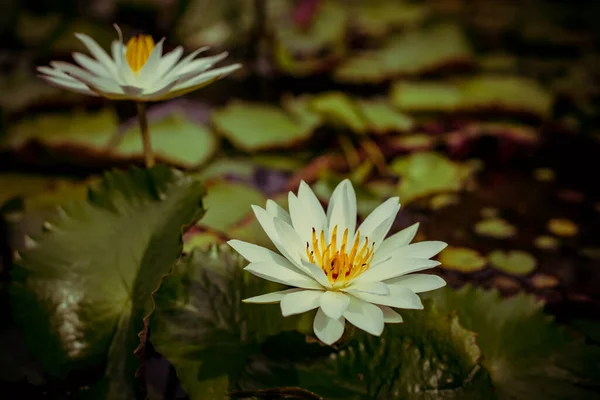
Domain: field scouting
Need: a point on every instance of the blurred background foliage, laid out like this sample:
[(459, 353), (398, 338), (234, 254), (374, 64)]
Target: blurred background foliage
[(482, 115)]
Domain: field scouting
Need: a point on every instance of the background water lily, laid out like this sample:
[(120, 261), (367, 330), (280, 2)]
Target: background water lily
[(348, 274)]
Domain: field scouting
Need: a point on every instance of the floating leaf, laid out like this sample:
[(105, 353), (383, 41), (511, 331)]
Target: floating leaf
[(489, 212), (495, 227), (176, 139), (514, 262), (462, 259), (477, 94), (375, 19), (229, 167), (443, 200), (228, 203), (430, 355), (544, 174), (413, 53), (546, 242), (339, 109), (424, 174), (505, 283), (202, 327), (413, 142), (303, 50), (562, 227), (83, 288), (544, 281), (255, 126), (382, 118), (543, 363)]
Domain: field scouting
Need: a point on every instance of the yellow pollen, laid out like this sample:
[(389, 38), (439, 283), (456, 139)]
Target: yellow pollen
[(138, 51), (344, 264)]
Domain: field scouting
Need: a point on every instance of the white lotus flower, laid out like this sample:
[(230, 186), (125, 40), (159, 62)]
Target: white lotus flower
[(347, 273), (137, 71)]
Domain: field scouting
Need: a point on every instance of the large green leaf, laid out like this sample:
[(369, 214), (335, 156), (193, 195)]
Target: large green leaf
[(512, 94), (526, 354), (82, 288), (202, 327), (415, 52), (255, 126), (429, 356)]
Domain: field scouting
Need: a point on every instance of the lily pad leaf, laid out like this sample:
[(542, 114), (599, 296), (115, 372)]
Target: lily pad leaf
[(228, 203), (375, 19), (515, 262), (176, 139), (414, 53), (427, 173), (543, 363), (254, 126), (429, 356), (83, 288), (202, 327), (511, 94), (304, 49)]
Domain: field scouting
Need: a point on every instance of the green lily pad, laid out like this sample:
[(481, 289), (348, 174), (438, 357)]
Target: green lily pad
[(375, 19), (14, 185), (429, 356), (227, 204), (515, 262), (382, 118), (479, 93), (83, 288), (339, 109), (303, 50), (427, 173), (546, 242), (226, 166), (176, 140), (202, 327), (254, 126), (495, 227), (462, 259), (563, 227), (413, 53), (544, 363)]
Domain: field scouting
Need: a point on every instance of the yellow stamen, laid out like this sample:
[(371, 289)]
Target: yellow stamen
[(138, 51), (340, 266)]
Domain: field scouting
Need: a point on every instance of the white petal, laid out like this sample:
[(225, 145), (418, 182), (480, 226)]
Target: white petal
[(300, 302), (168, 61), (92, 65), (397, 240), (202, 64), (306, 212), (394, 267), (276, 211), (379, 233), (365, 316), (390, 316), (290, 240), (269, 298), (148, 73), (268, 225), (97, 51), (420, 250), (69, 85), (334, 304), (186, 60), (317, 273), (399, 298), (282, 274), (205, 77), (388, 209), (255, 253), (418, 283), (369, 287), (328, 330), (341, 211), (104, 84)]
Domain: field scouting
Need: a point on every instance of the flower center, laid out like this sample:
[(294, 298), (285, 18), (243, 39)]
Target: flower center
[(344, 264), (138, 51)]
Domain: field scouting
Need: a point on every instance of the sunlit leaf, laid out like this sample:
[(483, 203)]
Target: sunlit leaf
[(480, 93), (302, 50), (495, 227), (176, 139), (543, 363), (462, 259), (255, 126), (382, 118), (228, 203), (339, 109), (427, 173), (429, 356), (515, 262), (377, 18), (546, 242), (562, 227), (202, 327), (413, 53), (83, 287)]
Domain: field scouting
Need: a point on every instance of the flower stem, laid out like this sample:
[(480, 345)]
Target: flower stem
[(143, 119)]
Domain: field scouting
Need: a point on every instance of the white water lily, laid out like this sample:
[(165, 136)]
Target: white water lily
[(137, 71), (349, 274)]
